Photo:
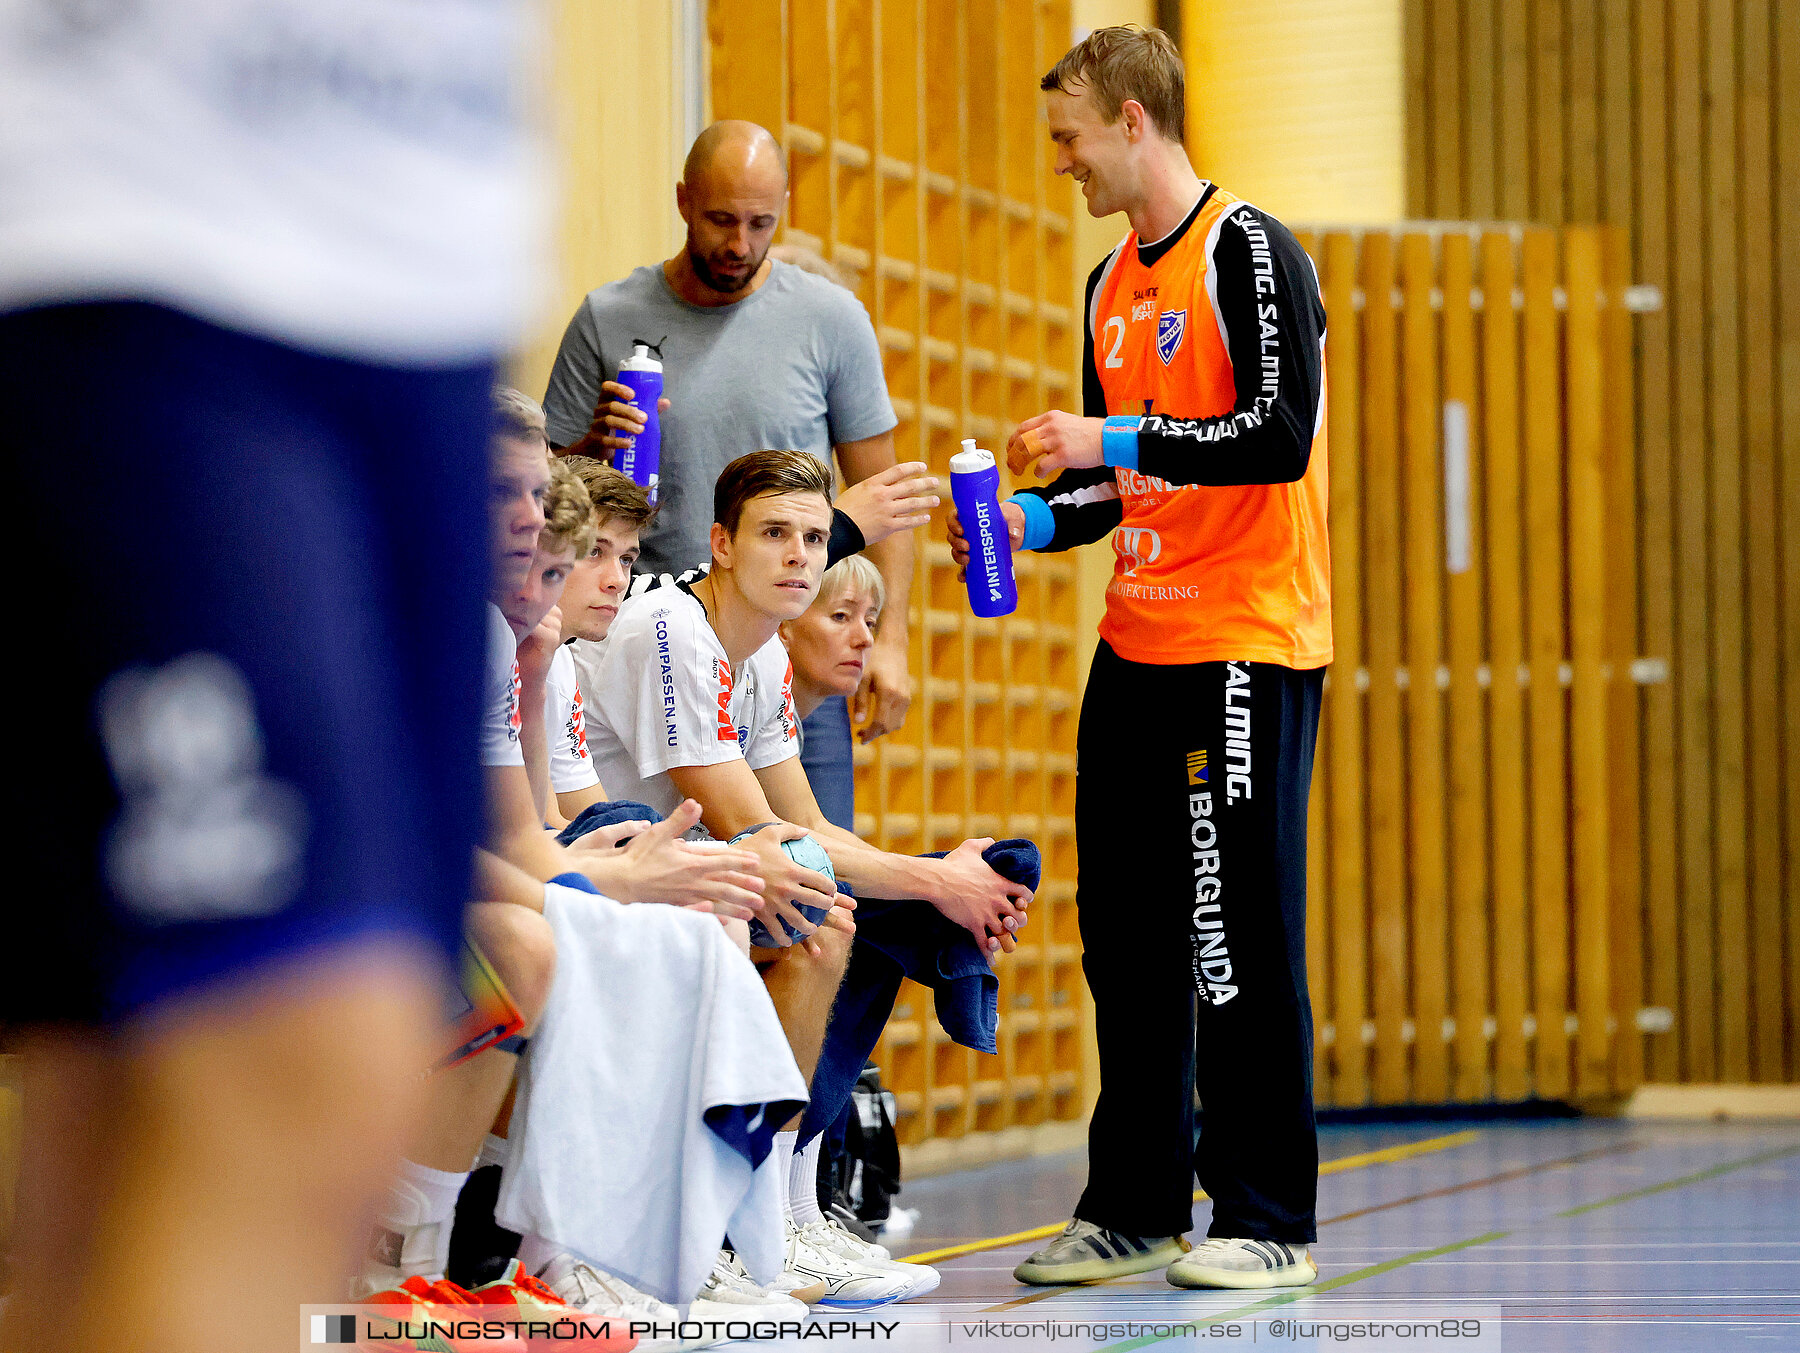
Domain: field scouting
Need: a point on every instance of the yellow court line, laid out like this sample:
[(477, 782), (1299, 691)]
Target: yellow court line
[(1385, 1156)]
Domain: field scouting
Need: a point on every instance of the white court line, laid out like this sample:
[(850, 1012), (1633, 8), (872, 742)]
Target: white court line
[(1610, 1263), (1550, 1298), (1337, 1256)]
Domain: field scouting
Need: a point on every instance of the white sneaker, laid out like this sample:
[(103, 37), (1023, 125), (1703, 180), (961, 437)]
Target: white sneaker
[(730, 1290), (802, 1287), (899, 1224), (594, 1291), (1223, 1262), (831, 1234), (849, 1284)]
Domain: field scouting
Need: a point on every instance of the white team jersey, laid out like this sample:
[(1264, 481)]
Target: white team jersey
[(664, 695), (352, 176), (565, 725), (500, 694)]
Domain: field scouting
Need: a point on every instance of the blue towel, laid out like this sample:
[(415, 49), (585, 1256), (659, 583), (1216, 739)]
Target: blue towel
[(910, 938), (604, 814)]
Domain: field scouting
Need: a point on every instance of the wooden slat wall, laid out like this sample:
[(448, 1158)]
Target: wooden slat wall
[(1466, 915), (1678, 121), (918, 162)]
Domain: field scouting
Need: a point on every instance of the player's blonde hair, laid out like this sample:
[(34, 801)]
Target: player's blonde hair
[(1127, 62), (568, 514), (763, 472), (515, 415)]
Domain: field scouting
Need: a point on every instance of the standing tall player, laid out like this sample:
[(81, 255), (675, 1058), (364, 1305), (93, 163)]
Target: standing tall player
[(1202, 450)]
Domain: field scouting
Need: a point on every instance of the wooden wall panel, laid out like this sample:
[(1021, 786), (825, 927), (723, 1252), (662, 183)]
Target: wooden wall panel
[(1590, 823), (1506, 706), (1786, 174), (1678, 122), (1545, 650), (1620, 472), (1342, 737), (1471, 936), (1480, 596), (1650, 234), (1382, 572), (1724, 546), (1762, 618), (1422, 473)]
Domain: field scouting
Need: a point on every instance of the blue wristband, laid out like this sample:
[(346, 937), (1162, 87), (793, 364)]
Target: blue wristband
[(1119, 441), (581, 883), (1040, 521)]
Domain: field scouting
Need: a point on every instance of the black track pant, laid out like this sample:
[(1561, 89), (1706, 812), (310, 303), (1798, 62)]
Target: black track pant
[(1190, 821)]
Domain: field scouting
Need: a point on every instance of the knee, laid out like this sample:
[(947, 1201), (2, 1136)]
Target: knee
[(835, 957), (739, 932), (522, 948), (797, 963)]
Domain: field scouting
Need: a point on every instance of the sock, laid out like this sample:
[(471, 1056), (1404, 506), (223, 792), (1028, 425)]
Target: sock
[(494, 1151), (803, 1183), (782, 1157), (412, 1230), (535, 1252)]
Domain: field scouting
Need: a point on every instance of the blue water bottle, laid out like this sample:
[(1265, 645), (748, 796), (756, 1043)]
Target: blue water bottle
[(642, 374), (975, 488)]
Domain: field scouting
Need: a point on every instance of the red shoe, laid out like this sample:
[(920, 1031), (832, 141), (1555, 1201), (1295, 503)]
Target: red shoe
[(423, 1311), (534, 1301)]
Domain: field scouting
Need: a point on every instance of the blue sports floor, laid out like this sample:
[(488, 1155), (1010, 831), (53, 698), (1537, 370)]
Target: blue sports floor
[(1575, 1234)]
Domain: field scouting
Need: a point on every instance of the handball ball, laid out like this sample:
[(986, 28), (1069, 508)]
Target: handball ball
[(808, 854)]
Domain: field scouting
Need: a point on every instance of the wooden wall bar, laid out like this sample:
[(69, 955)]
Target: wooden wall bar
[(1678, 121), (919, 165)]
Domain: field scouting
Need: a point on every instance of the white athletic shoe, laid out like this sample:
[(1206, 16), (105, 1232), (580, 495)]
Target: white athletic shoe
[(1222, 1262), (831, 1234), (730, 1293), (802, 1287), (849, 1284), (594, 1291)]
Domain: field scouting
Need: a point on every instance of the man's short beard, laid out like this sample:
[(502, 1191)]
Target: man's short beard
[(724, 284)]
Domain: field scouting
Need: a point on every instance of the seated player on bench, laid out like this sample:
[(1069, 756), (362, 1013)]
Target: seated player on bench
[(561, 769), (692, 699), (553, 724), (530, 569), (541, 520)]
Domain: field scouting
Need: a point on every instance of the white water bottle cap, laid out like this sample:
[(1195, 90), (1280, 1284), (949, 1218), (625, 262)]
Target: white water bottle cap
[(640, 359), (970, 460)]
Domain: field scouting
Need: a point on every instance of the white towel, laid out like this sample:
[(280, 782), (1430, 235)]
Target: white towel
[(654, 1017)]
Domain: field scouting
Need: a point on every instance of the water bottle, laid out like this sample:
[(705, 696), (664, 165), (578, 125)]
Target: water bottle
[(641, 455), (975, 487)]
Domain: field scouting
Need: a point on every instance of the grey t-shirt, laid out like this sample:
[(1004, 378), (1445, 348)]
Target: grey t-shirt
[(794, 366)]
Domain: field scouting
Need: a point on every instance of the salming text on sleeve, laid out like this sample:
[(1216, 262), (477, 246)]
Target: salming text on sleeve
[(1265, 301)]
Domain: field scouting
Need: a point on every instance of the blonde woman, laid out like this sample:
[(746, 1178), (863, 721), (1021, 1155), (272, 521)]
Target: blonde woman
[(829, 642)]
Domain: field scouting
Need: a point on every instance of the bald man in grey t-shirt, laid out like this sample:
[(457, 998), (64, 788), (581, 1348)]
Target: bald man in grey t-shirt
[(756, 355)]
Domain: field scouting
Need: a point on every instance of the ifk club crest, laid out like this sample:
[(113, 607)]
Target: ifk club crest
[(1171, 328)]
